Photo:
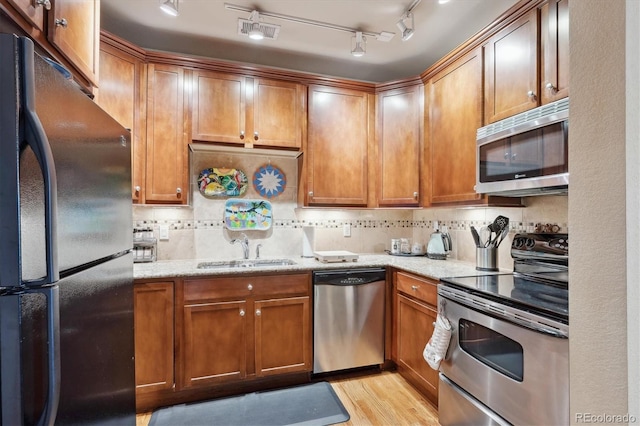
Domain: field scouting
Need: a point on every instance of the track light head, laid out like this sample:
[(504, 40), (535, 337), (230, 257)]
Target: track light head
[(360, 47), (256, 32), (170, 7), (405, 32)]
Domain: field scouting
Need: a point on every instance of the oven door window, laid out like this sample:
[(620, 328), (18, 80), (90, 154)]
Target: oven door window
[(539, 152), (492, 349)]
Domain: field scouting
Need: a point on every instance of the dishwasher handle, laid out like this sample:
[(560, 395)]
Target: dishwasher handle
[(350, 277)]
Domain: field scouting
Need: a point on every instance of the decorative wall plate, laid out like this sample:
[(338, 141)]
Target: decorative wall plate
[(269, 181), (247, 214), (219, 182)]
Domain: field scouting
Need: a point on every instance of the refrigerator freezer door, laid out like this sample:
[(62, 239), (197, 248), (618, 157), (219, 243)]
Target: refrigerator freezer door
[(92, 157), (97, 383)]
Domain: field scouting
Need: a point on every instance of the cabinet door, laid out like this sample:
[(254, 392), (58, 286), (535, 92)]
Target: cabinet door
[(276, 113), (455, 114), (511, 69), (218, 107), (213, 344), (74, 28), (399, 133), (120, 96), (554, 33), (32, 10), (414, 328), (337, 146), (283, 335), (153, 322), (166, 175)]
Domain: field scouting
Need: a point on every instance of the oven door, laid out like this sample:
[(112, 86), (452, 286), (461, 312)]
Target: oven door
[(519, 373)]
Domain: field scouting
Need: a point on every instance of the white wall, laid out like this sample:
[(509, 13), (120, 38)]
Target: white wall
[(597, 211)]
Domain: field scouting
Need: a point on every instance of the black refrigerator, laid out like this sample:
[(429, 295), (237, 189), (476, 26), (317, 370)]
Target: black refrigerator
[(66, 268)]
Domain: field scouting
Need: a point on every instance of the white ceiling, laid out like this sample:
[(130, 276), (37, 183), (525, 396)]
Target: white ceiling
[(207, 28)]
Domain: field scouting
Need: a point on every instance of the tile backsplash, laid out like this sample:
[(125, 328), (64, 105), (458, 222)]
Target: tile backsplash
[(198, 232)]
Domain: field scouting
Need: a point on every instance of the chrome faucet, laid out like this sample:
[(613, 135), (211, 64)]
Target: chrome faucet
[(245, 245)]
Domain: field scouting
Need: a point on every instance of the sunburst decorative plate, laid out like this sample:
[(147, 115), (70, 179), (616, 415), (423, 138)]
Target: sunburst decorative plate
[(269, 181)]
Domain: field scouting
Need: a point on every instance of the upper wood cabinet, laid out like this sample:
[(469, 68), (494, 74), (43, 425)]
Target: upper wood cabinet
[(511, 69), (166, 178), (32, 10), (237, 109), (554, 52), (338, 146), (122, 94), (74, 28), (399, 133), (455, 113)]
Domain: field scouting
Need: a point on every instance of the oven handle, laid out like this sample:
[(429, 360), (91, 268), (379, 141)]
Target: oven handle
[(514, 316)]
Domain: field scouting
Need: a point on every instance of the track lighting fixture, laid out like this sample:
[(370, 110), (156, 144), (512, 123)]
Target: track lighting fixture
[(255, 33), (170, 7), (406, 32), (360, 47)]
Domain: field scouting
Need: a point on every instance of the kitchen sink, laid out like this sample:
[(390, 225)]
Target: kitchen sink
[(249, 263)]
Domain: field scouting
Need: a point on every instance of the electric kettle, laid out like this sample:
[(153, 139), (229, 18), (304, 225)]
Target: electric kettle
[(439, 245)]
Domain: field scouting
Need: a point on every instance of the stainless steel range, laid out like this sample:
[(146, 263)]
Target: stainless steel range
[(508, 360)]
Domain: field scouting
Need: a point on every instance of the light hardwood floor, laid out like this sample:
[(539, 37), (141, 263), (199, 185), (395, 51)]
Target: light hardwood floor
[(374, 399)]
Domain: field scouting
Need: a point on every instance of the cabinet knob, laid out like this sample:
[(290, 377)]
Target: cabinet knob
[(255, 136), (415, 195), (250, 287), (62, 23), (241, 312), (310, 193), (137, 188), (178, 190), (242, 134), (550, 87), (531, 94), (258, 313), (513, 156), (414, 287), (44, 3), (506, 155)]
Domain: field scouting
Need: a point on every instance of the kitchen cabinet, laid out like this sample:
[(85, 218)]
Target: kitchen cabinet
[(455, 113), (66, 30), (415, 314), (239, 328), (166, 179), (122, 94), (74, 29), (236, 109), (554, 52), (340, 123), (399, 134), (511, 69), (154, 338)]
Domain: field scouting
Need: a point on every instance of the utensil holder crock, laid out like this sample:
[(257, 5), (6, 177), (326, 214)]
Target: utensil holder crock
[(486, 258)]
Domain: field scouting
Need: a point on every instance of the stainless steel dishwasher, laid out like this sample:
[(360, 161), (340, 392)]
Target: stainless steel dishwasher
[(348, 319)]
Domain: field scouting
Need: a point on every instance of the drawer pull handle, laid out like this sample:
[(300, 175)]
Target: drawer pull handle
[(44, 3), (258, 313), (241, 312), (61, 23), (414, 287), (250, 287)]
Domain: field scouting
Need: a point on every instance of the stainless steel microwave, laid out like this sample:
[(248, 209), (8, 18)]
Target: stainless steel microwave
[(525, 154)]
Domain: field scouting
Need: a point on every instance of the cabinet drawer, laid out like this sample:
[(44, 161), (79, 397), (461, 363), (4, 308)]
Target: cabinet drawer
[(245, 286), (421, 288)]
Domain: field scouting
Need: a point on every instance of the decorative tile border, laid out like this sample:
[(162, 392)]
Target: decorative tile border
[(452, 225)]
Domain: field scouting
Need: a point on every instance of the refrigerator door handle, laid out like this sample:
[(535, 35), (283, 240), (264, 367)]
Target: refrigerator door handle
[(52, 294), (36, 138)]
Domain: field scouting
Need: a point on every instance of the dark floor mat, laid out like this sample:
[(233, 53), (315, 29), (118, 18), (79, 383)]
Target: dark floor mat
[(312, 404)]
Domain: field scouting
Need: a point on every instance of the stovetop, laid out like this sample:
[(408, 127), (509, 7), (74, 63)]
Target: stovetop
[(536, 297)]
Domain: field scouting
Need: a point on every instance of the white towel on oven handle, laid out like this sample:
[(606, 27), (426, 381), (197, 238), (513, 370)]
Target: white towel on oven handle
[(436, 348)]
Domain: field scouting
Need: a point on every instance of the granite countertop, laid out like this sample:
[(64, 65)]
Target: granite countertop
[(420, 265)]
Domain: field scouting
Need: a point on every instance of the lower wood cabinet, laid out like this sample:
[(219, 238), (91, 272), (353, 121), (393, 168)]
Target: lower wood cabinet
[(154, 339), (415, 313), (236, 328)]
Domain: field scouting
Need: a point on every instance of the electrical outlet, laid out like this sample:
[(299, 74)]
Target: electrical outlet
[(346, 230), (164, 232)]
